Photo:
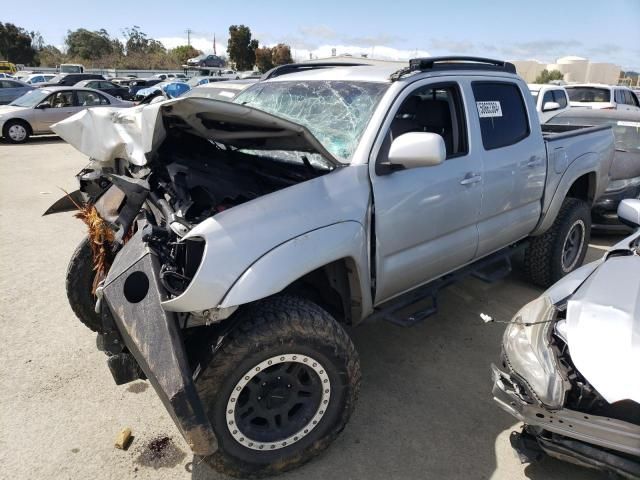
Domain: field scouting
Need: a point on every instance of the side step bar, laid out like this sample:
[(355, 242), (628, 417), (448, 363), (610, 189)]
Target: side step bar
[(489, 269)]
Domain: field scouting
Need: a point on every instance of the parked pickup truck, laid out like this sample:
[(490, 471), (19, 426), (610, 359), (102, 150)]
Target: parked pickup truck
[(233, 240), (550, 100)]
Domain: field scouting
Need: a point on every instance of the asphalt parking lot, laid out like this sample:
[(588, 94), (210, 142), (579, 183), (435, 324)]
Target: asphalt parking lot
[(425, 408)]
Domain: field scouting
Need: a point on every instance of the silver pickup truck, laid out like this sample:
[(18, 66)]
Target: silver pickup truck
[(229, 242)]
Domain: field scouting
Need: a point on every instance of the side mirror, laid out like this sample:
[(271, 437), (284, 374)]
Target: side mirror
[(416, 149), (629, 212), (547, 107), (43, 106)]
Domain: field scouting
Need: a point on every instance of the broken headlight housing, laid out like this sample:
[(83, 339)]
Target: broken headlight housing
[(528, 353)]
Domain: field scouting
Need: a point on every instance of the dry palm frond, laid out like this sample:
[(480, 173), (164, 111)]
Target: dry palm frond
[(101, 237)]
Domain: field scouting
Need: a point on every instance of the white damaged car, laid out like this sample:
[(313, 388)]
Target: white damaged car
[(570, 361)]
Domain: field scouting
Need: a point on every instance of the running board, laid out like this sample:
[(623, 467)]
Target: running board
[(489, 269)]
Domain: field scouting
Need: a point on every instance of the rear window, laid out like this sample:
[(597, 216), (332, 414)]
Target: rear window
[(502, 114), (589, 94)]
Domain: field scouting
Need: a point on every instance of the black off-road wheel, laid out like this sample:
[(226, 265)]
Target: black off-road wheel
[(280, 389), (563, 247), (80, 276)]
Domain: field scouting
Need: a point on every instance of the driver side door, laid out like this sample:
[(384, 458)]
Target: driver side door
[(426, 218), (55, 108)]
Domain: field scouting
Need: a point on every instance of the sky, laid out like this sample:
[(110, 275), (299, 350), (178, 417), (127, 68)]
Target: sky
[(603, 31)]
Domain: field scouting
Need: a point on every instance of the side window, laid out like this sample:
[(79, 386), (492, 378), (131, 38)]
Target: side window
[(502, 114), (630, 98), (60, 100), (619, 96), (548, 97), (560, 98), (436, 109), (90, 99)]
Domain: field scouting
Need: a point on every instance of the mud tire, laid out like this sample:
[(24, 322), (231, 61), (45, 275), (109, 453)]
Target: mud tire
[(543, 259), (79, 283), (277, 326)]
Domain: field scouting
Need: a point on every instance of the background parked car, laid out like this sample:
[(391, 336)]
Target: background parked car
[(105, 86), (201, 80), (625, 169), (139, 83), (596, 96), (172, 89), (225, 91), (206, 61), (11, 89), (35, 112), (37, 78), (550, 100), (6, 75), (70, 79)]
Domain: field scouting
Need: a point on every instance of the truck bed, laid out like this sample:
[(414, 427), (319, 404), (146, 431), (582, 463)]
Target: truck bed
[(574, 148)]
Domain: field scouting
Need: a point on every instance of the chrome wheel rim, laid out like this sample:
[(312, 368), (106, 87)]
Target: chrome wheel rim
[(17, 133), (573, 245), (294, 387)]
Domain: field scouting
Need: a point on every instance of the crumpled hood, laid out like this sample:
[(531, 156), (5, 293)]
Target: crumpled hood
[(603, 328), (134, 134)]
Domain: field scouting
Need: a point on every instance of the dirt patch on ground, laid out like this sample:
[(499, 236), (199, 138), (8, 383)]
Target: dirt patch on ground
[(137, 387)]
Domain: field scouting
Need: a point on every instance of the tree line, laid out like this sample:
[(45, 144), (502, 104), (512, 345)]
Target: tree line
[(134, 49)]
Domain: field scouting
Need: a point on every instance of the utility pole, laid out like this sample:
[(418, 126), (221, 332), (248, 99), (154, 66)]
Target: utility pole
[(188, 31)]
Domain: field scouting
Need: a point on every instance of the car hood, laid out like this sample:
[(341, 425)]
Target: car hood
[(7, 109), (603, 328), (135, 134)]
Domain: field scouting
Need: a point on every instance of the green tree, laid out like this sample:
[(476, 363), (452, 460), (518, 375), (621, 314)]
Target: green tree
[(241, 48), (547, 76), (15, 44), (50, 56), (264, 59), (138, 42), (182, 53), (87, 45), (281, 54)]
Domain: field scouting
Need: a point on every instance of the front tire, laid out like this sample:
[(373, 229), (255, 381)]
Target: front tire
[(16, 131), (562, 248), (280, 389), (80, 275)]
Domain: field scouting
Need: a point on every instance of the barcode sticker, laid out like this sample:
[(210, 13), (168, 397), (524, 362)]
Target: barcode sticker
[(489, 109)]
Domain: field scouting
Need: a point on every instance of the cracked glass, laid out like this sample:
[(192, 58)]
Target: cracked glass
[(335, 112)]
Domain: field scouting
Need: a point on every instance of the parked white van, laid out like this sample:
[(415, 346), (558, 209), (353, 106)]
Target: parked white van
[(598, 96)]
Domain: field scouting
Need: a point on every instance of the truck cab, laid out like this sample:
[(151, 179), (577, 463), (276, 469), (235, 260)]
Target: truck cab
[(550, 100), (71, 68)]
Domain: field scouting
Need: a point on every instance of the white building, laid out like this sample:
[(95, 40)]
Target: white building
[(574, 69)]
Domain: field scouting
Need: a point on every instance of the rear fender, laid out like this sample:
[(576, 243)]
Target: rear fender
[(288, 262)]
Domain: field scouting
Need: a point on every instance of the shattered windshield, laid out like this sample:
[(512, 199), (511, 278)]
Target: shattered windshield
[(335, 112)]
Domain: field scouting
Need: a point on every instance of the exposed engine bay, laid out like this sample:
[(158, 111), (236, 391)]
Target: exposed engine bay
[(568, 369), (190, 179)]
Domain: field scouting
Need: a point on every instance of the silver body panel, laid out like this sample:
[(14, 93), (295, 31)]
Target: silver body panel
[(426, 222)]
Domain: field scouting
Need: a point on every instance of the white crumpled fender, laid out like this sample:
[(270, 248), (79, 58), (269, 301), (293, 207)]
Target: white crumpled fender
[(603, 329), (107, 133)]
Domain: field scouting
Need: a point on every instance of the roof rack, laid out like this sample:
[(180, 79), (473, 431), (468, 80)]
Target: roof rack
[(454, 63), (301, 67)]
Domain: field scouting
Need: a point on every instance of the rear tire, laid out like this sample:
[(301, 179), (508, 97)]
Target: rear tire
[(562, 248), (280, 389), (80, 277), (16, 131)]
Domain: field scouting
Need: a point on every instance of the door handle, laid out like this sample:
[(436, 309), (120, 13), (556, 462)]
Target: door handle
[(471, 178)]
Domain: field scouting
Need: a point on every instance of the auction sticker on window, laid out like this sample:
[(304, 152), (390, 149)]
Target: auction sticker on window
[(489, 109)]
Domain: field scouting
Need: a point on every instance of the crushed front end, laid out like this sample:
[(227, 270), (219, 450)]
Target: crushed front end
[(537, 382)]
